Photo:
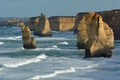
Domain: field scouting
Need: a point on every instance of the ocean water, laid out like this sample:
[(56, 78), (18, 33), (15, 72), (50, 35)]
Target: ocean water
[(56, 58)]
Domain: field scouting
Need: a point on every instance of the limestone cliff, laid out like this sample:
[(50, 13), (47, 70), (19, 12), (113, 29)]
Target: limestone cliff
[(62, 23), (28, 40), (32, 23), (94, 35), (111, 17)]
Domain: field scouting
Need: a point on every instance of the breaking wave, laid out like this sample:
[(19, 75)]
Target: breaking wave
[(72, 69), (66, 43), (50, 38), (47, 49), (38, 77), (29, 61), (10, 38), (55, 46), (1, 43)]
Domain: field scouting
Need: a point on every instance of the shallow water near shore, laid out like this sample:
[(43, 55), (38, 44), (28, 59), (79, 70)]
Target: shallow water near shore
[(56, 58)]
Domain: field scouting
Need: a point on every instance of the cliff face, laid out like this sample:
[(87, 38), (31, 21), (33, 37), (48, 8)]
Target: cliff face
[(62, 23), (112, 18), (94, 35), (32, 23)]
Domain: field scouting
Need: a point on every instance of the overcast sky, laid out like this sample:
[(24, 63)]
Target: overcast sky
[(28, 8)]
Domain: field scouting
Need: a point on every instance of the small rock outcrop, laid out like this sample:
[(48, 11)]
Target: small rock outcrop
[(94, 35), (42, 26), (28, 40)]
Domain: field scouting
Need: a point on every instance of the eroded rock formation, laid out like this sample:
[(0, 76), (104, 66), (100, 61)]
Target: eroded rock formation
[(111, 17), (28, 40), (94, 35), (42, 26)]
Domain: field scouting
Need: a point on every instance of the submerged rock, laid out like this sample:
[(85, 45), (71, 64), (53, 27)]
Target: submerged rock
[(28, 40), (94, 35)]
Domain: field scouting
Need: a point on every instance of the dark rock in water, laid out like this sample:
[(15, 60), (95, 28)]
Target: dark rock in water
[(81, 45), (28, 40), (96, 49), (43, 35), (95, 36)]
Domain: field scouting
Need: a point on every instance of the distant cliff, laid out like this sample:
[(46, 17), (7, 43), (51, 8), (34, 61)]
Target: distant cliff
[(112, 18), (57, 23), (62, 23), (12, 21)]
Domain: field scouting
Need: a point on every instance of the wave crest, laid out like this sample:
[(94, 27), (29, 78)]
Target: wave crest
[(29, 61), (66, 43), (1, 43), (37, 77)]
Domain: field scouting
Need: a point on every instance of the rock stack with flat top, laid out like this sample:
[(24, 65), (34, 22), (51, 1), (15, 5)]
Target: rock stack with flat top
[(42, 26), (28, 40), (94, 35)]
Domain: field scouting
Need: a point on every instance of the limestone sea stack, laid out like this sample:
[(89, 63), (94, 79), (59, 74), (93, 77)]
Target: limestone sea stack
[(42, 26), (28, 40), (94, 35)]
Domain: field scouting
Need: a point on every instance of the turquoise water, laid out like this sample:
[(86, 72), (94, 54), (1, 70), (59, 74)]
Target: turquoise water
[(56, 58)]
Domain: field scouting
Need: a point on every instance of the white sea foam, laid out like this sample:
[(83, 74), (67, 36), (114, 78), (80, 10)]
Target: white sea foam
[(38, 77), (66, 43), (55, 46), (18, 37), (47, 49), (1, 43), (57, 72), (50, 38), (86, 67), (29, 61), (1, 69), (11, 38)]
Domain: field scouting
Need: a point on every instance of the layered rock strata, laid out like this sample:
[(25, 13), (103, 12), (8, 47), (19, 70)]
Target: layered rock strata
[(62, 23), (94, 35), (28, 40), (111, 17)]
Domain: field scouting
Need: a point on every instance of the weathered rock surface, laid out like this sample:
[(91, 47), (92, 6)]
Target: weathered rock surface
[(28, 40), (94, 35), (62, 23), (111, 17), (42, 26), (32, 23)]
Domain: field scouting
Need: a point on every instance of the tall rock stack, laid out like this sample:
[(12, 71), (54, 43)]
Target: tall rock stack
[(28, 40), (94, 35), (42, 27)]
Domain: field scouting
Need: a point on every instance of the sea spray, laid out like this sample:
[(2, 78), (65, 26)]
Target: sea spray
[(29, 61)]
